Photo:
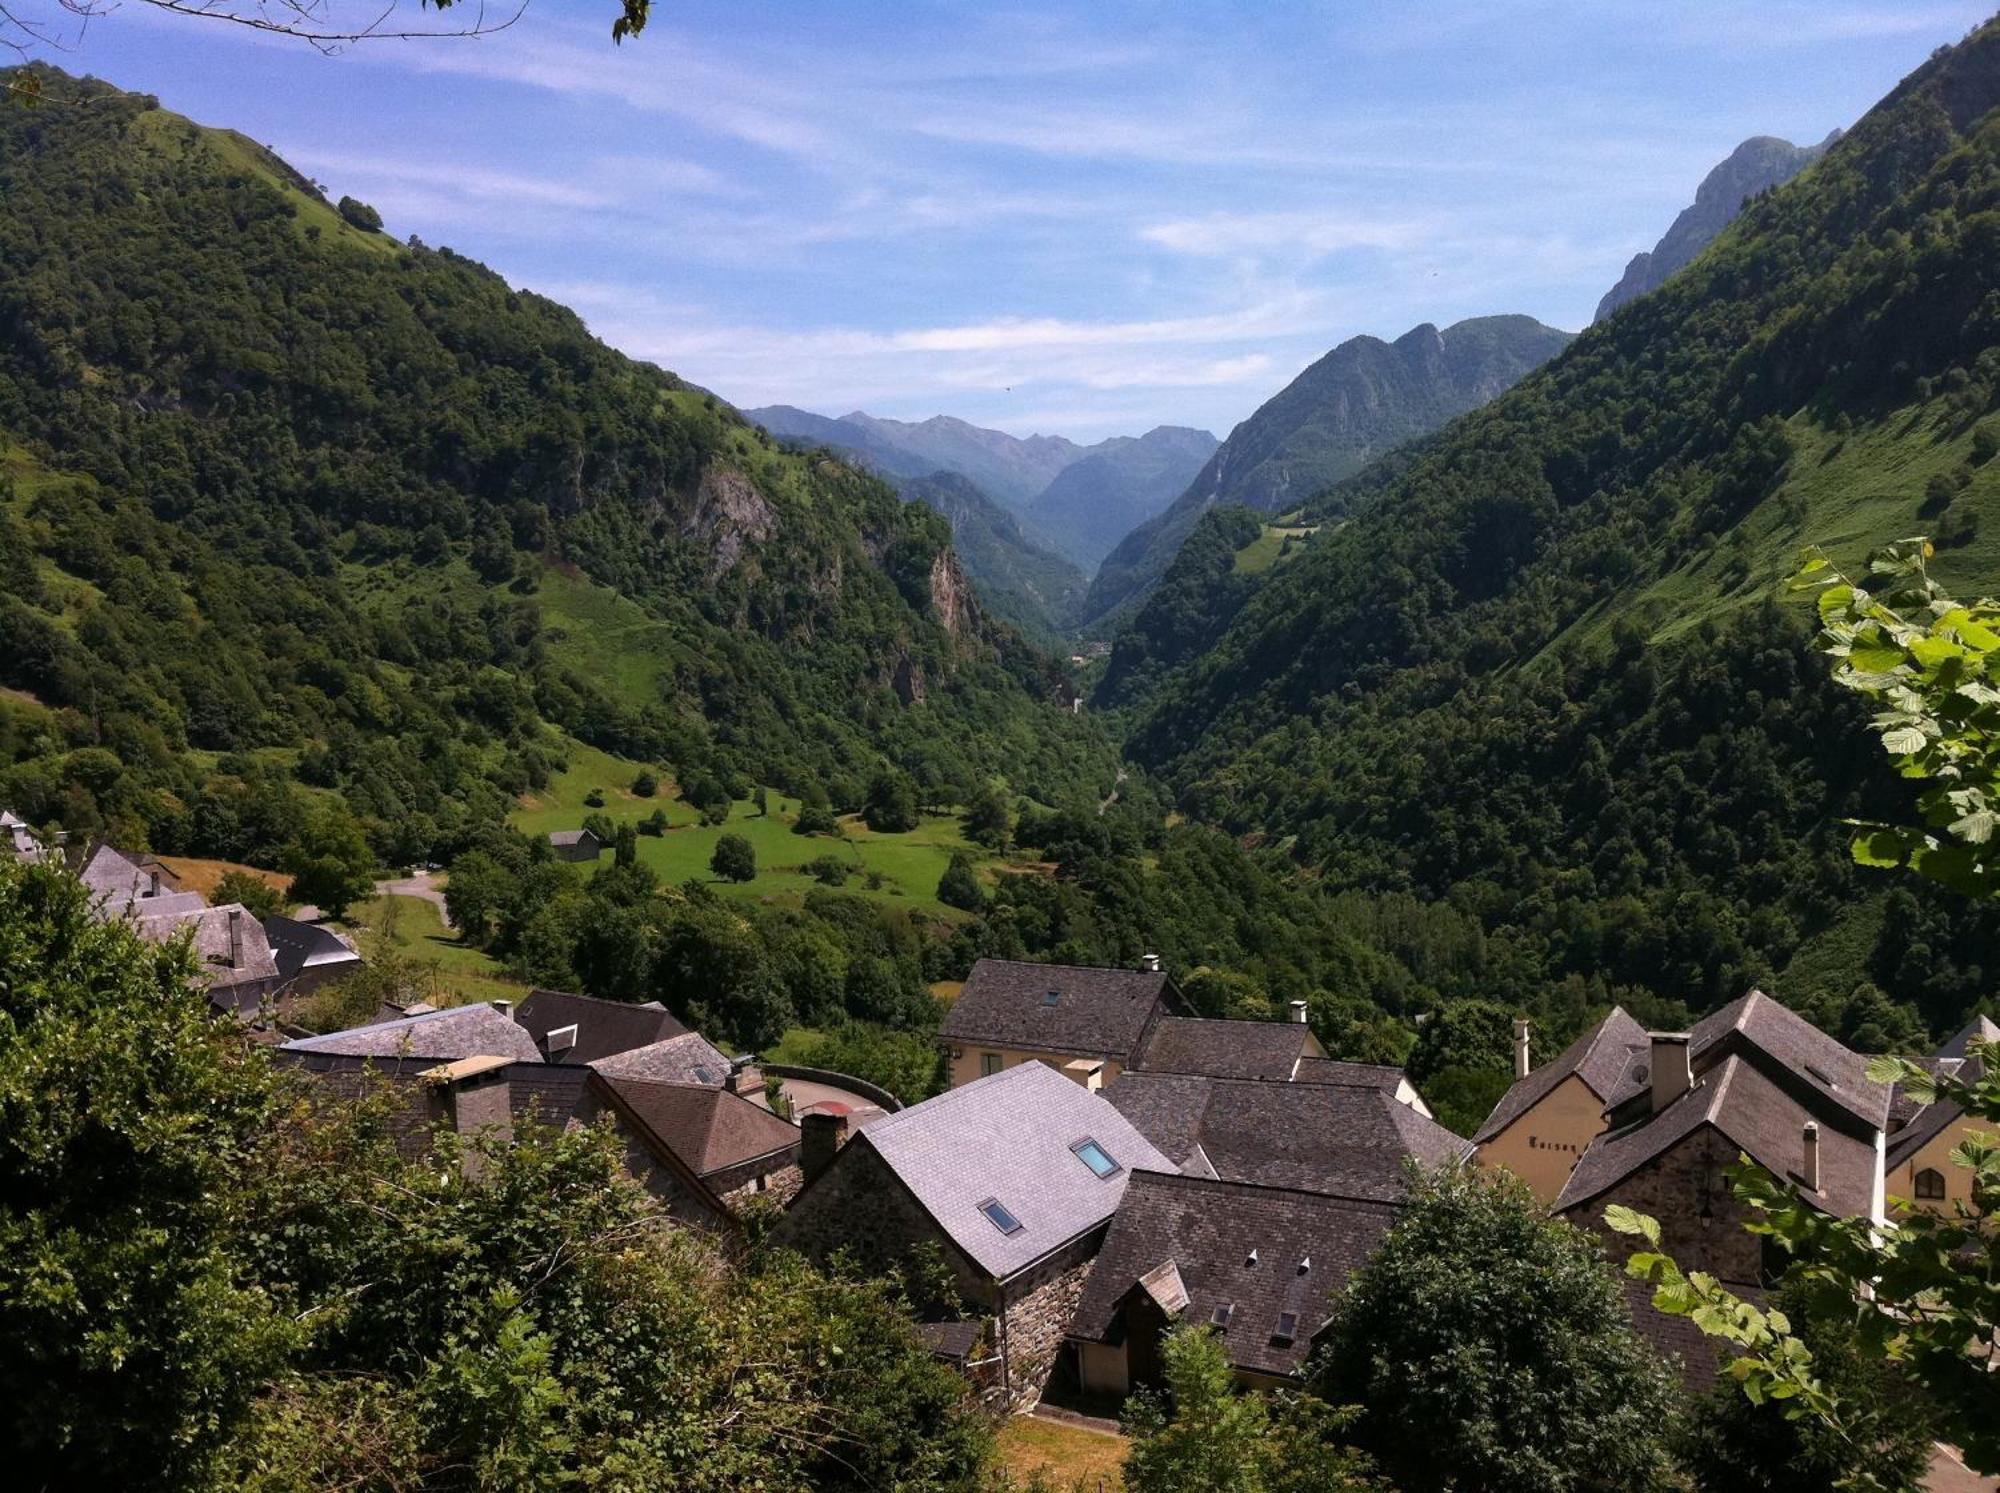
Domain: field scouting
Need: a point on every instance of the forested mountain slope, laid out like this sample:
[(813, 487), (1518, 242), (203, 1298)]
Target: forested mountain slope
[(1020, 579), (1755, 166), (1362, 399), (293, 508), (1542, 674)]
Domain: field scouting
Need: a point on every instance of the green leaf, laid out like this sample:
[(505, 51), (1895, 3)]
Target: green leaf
[(1889, 848), (1903, 741), (1626, 1220)]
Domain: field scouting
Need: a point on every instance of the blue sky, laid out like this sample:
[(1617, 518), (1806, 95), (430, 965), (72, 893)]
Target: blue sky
[(1084, 219)]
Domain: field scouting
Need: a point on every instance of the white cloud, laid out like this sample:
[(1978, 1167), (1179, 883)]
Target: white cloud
[(1292, 233)]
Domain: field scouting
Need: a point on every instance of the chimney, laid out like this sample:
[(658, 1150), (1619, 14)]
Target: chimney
[(1149, 964), (821, 1135), (1809, 1169), (236, 938), (473, 1095), (1298, 1010), (1671, 1075), (746, 1079), (1521, 1065), (155, 883), (505, 1008)]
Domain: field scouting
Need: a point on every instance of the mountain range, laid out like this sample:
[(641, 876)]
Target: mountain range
[(1541, 664), (1067, 502), (1362, 399)]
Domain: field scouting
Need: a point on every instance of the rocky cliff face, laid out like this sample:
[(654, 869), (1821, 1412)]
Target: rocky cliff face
[(1754, 166)]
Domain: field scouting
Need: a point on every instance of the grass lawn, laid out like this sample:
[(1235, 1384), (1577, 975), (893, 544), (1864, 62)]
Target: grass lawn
[(413, 928), (792, 1047), (909, 864), (1069, 1456)]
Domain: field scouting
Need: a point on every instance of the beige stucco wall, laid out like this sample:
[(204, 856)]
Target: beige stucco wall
[(1936, 1154), (966, 1066), (1541, 1147)]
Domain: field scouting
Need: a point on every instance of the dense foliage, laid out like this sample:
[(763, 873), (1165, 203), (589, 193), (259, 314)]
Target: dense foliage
[(1504, 1335), (1536, 677), (217, 1274), (289, 508)]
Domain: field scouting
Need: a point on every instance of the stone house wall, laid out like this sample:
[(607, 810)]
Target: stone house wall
[(781, 1185), (1701, 1222), (1040, 1307)]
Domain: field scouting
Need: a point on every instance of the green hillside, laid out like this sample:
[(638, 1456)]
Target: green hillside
[(295, 516), (1547, 672)]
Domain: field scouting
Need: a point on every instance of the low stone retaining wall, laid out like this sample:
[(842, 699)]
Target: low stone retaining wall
[(870, 1092)]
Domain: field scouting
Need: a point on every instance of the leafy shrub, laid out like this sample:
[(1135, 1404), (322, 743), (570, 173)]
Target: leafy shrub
[(815, 819), (960, 887), (359, 214), (645, 785), (735, 859), (828, 870)]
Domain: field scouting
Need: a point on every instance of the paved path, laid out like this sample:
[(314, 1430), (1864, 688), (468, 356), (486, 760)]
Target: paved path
[(1949, 1475), (803, 1092), (428, 885)]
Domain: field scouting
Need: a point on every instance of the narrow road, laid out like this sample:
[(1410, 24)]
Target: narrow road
[(429, 885), (1111, 797)]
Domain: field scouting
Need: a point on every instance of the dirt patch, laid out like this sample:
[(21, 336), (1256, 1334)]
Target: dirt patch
[(202, 876)]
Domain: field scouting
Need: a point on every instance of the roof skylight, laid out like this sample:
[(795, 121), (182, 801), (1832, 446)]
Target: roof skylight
[(1052, 998), (997, 1215), (1094, 1156), (1288, 1327), (1220, 1317)]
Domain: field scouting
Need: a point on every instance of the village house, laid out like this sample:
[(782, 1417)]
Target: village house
[(701, 1147), (1088, 1023), (236, 965), (20, 841), (1546, 1121), (1918, 1168), (1258, 1265), (122, 885), (1351, 1140), (1014, 1177), (310, 956), (575, 844)]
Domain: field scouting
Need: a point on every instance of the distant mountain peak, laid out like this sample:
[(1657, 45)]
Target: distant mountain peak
[(1757, 165)]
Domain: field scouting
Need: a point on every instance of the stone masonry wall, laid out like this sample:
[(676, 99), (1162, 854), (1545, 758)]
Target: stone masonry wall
[(1675, 1188), (1038, 1316), (859, 1205)]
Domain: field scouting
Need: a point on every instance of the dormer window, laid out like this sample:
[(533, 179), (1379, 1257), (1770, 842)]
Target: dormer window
[(1219, 1318), (1930, 1185), (1288, 1327), (1094, 1156)]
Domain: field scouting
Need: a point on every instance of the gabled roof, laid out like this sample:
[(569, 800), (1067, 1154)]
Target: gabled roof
[(235, 958), (1757, 1117), (1602, 1057), (1349, 1075), (1325, 1138), (301, 946), (1223, 1049), (456, 1032), (570, 836), (688, 1058), (1008, 1138), (1932, 1120), (603, 1028), (1095, 1013), (1204, 1232), (111, 873), (1757, 1024), (710, 1129)]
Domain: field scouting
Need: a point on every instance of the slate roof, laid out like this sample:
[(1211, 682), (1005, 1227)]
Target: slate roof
[(163, 905), (1818, 1063), (570, 836), (442, 1036), (1693, 1352), (1207, 1230), (1930, 1121), (710, 1129), (1223, 1049), (1603, 1057), (1323, 1138), (1097, 1012), (688, 1058), (1008, 1137), (300, 946), (603, 1028), (236, 977), (1349, 1075), (951, 1342), (1755, 1115)]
